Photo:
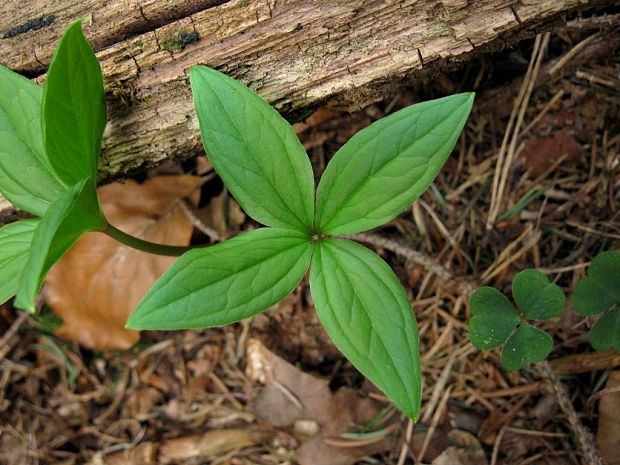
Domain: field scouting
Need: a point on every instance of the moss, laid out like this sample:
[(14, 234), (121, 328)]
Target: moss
[(177, 42), (30, 25)]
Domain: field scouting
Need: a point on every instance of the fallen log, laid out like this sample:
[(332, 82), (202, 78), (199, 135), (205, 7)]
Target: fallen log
[(297, 54)]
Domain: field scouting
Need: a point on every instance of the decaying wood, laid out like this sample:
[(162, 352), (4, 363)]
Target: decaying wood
[(295, 53)]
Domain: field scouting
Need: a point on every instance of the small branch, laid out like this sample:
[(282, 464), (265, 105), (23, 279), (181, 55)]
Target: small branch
[(144, 246), (463, 285), (584, 437), (190, 212), (5, 346)]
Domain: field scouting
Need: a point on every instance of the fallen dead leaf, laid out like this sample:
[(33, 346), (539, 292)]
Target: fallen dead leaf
[(95, 286), (466, 451), (291, 396), (540, 153), (211, 443), (222, 214), (608, 435)]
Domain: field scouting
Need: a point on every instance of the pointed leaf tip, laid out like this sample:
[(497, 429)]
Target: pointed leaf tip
[(254, 150), (385, 167), (365, 311)]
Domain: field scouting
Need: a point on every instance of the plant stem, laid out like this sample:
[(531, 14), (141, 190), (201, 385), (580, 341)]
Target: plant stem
[(144, 246)]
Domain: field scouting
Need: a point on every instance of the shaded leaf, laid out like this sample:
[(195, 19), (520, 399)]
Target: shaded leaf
[(493, 318), (600, 288), (15, 239), (75, 212), (25, 177), (605, 334), (95, 286), (381, 170), (525, 345), (254, 150), (536, 296), (227, 282), (365, 310), (74, 108)]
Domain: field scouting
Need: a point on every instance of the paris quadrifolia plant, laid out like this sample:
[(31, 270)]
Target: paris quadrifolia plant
[(50, 141)]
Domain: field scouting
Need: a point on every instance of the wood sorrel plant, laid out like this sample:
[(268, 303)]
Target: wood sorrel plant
[(49, 146)]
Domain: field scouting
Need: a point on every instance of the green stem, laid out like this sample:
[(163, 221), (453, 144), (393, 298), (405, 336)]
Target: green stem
[(145, 246)]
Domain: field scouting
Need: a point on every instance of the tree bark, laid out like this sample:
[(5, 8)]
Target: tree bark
[(296, 54)]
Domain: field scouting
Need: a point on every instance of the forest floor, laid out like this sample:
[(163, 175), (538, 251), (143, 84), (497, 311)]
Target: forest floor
[(275, 390)]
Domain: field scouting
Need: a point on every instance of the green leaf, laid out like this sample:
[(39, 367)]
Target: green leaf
[(525, 345), (15, 239), (381, 170), (536, 296), (25, 177), (605, 334), (227, 282), (493, 318), (254, 150), (600, 289), (74, 108), (365, 311), (75, 212)]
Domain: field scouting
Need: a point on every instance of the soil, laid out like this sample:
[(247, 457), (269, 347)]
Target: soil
[(61, 403)]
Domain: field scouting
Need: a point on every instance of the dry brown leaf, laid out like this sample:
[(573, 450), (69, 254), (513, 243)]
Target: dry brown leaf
[(608, 435), (291, 396), (223, 214), (466, 451), (539, 154), (211, 443), (95, 286)]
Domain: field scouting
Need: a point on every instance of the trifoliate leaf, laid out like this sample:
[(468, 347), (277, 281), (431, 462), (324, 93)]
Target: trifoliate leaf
[(600, 288), (605, 334), (493, 318), (537, 298), (525, 345)]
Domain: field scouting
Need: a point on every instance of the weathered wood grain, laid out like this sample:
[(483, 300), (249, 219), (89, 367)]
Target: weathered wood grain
[(29, 29), (295, 53)]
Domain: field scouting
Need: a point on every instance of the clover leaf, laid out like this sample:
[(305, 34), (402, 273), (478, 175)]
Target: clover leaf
[(525, 345), (600, 288), (494, 320), (598, 291), (536, 296)]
